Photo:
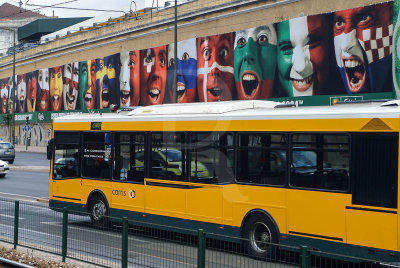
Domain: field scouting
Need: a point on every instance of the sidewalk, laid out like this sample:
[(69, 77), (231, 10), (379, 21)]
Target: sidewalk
[(31, 149)]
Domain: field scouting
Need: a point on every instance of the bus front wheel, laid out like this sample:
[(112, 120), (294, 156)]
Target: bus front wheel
[(260, 237), (99, 212)]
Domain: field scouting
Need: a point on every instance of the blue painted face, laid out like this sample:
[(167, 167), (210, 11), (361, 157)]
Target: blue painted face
[(107, 73), (186, 71)]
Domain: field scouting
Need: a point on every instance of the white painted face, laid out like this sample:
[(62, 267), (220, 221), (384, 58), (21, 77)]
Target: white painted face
[(70, 85), (124, 79), (301, 73), (21, 93), (43, 79)]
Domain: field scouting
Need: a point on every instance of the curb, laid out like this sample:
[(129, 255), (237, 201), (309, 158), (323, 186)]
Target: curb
[(11, 263)]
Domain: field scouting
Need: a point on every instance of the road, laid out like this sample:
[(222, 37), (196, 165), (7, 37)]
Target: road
[(32, 184)]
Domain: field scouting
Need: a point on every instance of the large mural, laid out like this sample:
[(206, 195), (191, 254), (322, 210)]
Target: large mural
[(311, 60)]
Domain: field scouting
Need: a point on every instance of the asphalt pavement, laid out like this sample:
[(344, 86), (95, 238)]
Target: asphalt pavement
[(30, 149)]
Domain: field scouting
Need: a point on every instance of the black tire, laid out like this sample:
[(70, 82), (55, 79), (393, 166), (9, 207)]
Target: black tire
[(261, 237), (99, 212), (2, 175), (11, 161)]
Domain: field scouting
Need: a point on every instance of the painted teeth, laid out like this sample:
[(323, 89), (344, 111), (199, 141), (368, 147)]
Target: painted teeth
[(249, 77), (303, 82), (56, 97), (155, 91), (180, 88), (352, 63)]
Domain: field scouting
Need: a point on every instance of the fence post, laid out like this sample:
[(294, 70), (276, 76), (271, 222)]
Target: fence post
[(16, 223), (124, 242), (304, 257), (64, 234), (201, 249)]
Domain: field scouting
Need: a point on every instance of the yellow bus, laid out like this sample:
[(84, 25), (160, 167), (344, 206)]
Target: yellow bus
[(326, 177)]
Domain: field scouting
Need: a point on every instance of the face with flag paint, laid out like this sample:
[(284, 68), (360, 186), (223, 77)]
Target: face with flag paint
[(43, 95), (21, 93), (129, 78), (4, 95), (70, 87), (215, 81), (31, 91), (106, 76), (87, 84), (255, 62), (363, 43), (186, 71), (303, 57), (56, 86), (153, 77)]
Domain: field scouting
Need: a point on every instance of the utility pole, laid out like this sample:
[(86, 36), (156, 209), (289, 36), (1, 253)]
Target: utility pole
[(175, 88)]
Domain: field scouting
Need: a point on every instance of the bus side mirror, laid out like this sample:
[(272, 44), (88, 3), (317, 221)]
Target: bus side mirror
[(50, 149)]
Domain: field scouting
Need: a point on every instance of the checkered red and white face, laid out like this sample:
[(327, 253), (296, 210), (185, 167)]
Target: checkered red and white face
[(215, 81), (362, 36)]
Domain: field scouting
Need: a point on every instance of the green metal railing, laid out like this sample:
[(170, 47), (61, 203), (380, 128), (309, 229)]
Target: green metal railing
[(127, 243)]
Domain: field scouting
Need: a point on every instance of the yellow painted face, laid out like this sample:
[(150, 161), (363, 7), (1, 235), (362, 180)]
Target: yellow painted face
[(105, 77), (56, 85)]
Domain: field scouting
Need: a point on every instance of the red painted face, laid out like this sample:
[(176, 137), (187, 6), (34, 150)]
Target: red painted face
[(134, 78), (153, 76), (215, 81), (31, 93)]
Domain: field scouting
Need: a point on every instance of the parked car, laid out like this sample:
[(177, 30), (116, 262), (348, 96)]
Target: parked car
[(7, 152), (3, 168)]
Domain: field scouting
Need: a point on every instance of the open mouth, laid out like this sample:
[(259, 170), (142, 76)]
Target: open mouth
[(216, 91), (180, 89), (105, 97), (154, 93), (355, 73), (302, 84), (124, 96), (250, 82)]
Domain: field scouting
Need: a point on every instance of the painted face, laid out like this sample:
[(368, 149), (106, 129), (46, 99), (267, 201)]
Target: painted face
[(186, 71), (215, 81), (31, 91), (255, 62), (70, 86), (153, 75), (87, 84), (11, 82), (56, 85), (303, 55), (363, 43), (21, 93), (43, 95), (106, 76), (129, 78), (4, 95)]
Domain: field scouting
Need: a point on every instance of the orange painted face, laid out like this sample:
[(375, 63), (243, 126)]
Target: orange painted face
[(215, 81), (153, 76), (31, 92), (56, 87)]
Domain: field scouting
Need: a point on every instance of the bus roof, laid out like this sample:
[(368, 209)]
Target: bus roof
[(242, 110)]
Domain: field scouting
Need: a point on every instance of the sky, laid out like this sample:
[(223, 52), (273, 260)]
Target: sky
[(105, 5)]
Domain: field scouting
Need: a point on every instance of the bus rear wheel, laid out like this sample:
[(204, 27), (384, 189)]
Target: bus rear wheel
[(99, 212), (260, 237)]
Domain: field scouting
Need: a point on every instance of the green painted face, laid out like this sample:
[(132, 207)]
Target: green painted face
[(255, 61), (83, 82)]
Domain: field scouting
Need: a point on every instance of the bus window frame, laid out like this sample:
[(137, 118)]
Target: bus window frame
[(114, 146), (292, 148), (284, 148), (110, 175), (53, 152)]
